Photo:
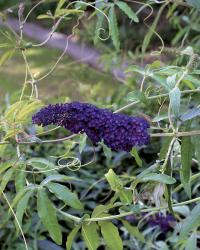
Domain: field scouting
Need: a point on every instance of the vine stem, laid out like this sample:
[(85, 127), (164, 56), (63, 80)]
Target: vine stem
[(111, 217), (155, 97), (176, 134)]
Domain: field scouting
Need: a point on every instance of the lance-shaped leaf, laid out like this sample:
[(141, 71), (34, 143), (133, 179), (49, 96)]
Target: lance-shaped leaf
[(175, 100), (114, 32), (114, 181), (71, 236), (47, 214), (127, 10), (90, 235), (63, 193), (186, 157), (162, 178), (191, 222), (22, 206), (111, 235)]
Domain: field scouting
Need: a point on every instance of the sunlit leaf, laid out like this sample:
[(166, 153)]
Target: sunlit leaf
[(63, 193), (90, 235), (135, 154), (111, 235), (162, 178), (114, 181), (71, 236)]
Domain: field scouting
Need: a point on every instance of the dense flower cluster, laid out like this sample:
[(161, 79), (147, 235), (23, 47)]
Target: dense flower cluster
[(164, 222), (118, 131)]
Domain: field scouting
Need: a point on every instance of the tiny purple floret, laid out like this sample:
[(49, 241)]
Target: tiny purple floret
[(164, 222)]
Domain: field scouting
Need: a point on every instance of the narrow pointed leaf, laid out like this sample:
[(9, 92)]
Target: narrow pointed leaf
[(191, 222), (21, 207), (47, 214), (111, 235), (186, 157), (175, 100), (63, 193), (127, 10), (90, 235), (71, 236), (114, 32)]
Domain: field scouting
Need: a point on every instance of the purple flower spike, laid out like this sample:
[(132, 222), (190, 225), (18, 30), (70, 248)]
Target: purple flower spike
[(164, 222), (118, 131)]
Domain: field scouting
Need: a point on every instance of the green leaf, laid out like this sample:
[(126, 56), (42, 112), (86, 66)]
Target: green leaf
[(114, 181), (6, 56), (98, 28), (138, 160), (114, 28), (20, 178), (133, 231), (63, 193), (99, 210), (58, 177), (162, 178), (190, 114), (171, 81), (4, 166), (5, 179), (71, 236), (21, 207), (60, 4), (90, 235), (151, 30), (42, 16), (186, 185), (186, 157), (127, 10), (164, 148), (47, 214), (136, 96), (194, 3), (175, 100), (107, 151), (111, 235), (126, 196), (82, 142), (66, 12), (191, 243), (191, 222), (42, 165)]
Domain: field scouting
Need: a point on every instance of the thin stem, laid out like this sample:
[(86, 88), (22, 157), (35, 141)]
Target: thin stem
[(49, 141), (190, 91), (178, 134), (111, 217)]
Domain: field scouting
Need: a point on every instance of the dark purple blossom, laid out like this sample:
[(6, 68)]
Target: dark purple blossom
[(118, 131), (165, 223)]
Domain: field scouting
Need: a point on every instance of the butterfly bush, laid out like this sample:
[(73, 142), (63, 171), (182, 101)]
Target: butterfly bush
[(118, 131)]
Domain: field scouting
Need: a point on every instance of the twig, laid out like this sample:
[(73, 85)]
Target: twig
[(111, 217)]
